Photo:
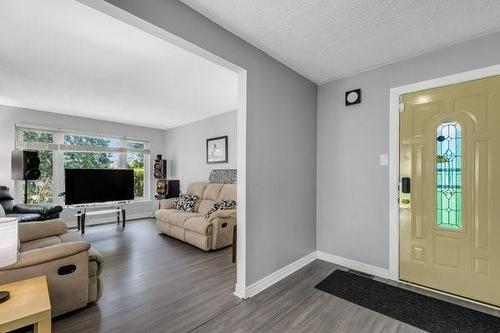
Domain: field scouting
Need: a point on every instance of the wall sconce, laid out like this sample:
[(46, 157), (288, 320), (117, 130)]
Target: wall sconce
[(353, 97)]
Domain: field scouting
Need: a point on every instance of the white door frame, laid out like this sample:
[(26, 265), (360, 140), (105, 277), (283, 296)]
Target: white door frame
[(154, 30), (395, 93)]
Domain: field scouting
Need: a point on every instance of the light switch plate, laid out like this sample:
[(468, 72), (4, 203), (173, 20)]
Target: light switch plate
[(384, 160)]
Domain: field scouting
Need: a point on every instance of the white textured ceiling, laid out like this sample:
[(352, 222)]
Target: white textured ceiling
[(328, 39), (62, 56)]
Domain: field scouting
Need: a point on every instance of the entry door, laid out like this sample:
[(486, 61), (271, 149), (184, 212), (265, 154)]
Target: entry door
[(450, 220)]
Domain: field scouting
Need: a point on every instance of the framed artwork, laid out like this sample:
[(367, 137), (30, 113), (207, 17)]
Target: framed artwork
[(217, 150)]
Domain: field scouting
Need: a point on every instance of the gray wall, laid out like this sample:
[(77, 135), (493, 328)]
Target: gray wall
[(352, 189), (185, 148), (281, 138), (10, 116)]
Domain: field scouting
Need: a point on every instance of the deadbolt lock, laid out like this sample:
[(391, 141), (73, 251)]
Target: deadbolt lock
[(405, 201)]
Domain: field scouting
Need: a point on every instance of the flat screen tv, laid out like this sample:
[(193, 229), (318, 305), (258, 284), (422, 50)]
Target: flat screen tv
[(85, 186)]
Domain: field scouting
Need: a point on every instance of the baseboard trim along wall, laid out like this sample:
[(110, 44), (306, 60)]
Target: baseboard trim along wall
[(239, 292), (280, 274), (353, 264)]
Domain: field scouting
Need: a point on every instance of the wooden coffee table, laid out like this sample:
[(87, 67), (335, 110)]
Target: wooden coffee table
[(29, 303)]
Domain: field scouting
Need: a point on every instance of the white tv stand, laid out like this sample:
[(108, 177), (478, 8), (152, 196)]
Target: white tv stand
[(88, 210)]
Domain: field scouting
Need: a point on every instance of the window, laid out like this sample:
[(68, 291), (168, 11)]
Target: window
[(42, 189), (60, 150), (449, 176)]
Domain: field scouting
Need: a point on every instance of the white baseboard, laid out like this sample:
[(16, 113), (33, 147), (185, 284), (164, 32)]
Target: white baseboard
[(239, 292), (353, 264), (280, 274)]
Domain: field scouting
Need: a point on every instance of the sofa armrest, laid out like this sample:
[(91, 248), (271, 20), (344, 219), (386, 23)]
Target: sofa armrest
[(29, 231), (222, 229), (48, 253), (222, 214), (96, 256), (167, 203), (34, 209)]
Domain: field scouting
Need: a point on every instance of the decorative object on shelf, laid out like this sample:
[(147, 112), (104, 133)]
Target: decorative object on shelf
[(162, 186), (160, 168), (167, 188), (8, 247), (353, 97), (217, 150), (224, 176), (25, 166)]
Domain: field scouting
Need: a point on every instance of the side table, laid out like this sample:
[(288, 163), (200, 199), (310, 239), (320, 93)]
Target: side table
[(29, 303)]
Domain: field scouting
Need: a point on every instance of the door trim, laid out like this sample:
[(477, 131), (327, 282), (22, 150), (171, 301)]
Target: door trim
[(395, 93)]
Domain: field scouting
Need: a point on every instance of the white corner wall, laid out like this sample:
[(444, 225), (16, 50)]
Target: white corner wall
[(185, 148)]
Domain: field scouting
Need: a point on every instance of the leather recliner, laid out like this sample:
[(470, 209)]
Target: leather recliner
[(26, 213)]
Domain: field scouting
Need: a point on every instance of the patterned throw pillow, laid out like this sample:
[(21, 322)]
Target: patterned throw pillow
[(221, 205), (185, 202)]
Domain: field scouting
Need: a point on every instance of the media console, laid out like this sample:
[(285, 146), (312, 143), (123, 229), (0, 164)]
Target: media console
[(87, 211)]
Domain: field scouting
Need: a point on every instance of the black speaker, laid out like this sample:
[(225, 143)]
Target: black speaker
[(160, 168), (173, 189), (25, 165)]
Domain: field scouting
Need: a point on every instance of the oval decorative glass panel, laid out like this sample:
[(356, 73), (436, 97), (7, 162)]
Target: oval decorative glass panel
[(449, 175)]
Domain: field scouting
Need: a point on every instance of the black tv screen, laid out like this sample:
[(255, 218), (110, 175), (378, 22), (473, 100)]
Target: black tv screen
[(98, 185)]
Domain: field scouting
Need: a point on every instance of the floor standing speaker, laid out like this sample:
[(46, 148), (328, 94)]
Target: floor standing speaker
[(25, 165)]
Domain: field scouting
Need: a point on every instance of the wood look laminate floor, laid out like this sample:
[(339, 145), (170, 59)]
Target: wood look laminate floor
[(153, 283)]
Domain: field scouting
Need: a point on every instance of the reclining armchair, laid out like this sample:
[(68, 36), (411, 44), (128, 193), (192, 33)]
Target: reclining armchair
[(26, 213), (206, 232), (71, 265)]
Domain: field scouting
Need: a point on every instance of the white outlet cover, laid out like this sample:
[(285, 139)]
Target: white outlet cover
[(384, 160)]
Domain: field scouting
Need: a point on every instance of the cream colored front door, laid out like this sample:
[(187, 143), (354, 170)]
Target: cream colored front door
[(450, 164)]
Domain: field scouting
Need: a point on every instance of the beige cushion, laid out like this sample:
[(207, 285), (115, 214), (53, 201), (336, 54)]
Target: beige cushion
[(205, 206), (48, 253), (163, 214), (71, 236), (212, 192), (200, 225), (180, 217), (29, 231), (228, 192), (39, 243), (197, 189), (167, 203)]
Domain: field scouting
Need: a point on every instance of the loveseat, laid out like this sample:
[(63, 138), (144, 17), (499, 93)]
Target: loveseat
[(207, 233), (71, 265)]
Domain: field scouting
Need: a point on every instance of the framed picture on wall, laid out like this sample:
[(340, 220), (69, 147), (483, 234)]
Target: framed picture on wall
[(217, 150)]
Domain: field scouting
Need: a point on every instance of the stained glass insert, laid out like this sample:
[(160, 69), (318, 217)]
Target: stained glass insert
[(449, 176)]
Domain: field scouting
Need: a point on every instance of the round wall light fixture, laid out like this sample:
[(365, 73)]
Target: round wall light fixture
[(353, 97)]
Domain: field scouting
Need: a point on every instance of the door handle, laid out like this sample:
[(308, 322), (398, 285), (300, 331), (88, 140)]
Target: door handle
[(405, 185)]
